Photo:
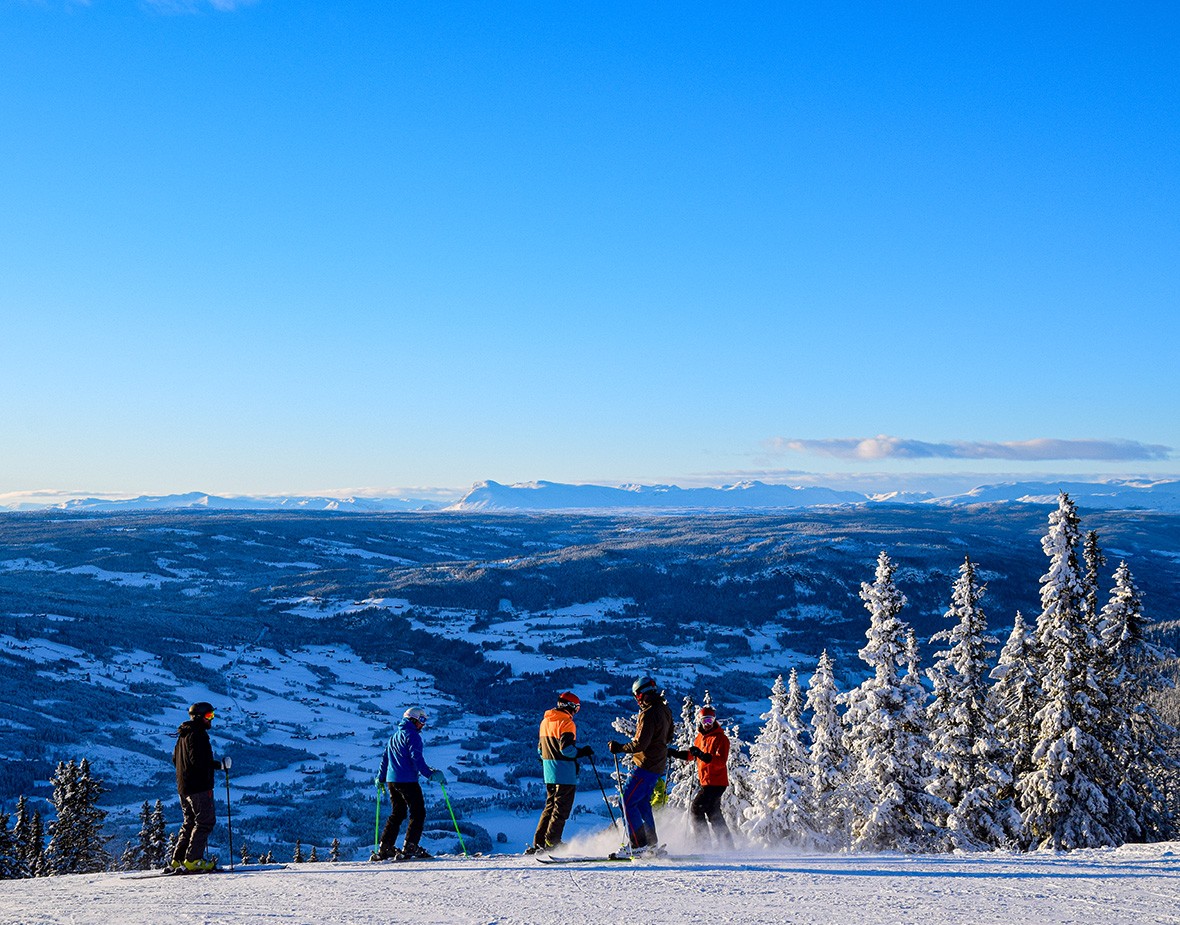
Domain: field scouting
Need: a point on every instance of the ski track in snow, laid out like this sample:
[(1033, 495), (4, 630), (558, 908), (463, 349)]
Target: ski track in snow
[(1134, 884)]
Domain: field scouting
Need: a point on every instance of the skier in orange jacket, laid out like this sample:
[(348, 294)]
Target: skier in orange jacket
[(710, 750)]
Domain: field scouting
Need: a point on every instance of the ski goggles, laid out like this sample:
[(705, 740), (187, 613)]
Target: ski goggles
[(209, 715), (707, 720)]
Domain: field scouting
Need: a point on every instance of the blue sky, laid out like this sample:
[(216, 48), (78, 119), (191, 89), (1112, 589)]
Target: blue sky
[(292, 246)]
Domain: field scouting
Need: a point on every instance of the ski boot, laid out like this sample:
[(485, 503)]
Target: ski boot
[(410, 852), (200, 865)]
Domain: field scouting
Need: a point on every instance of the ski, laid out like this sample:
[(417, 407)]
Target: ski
[(570, 859), (237, 869)]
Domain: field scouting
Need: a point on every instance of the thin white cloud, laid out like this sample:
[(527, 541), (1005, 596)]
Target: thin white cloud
[(887, 447), (196, 6)]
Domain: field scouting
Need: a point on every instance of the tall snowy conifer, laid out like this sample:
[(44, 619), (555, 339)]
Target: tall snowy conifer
[(1136, 738), (779, 771), (968, 765), (1015, 698), (1062, 798), (829, 763), (739, 795), (887, 799)]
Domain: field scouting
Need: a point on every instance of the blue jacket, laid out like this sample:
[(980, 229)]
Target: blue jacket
[(402, 761)]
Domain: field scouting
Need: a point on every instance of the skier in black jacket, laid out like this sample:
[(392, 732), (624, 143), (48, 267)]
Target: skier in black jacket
[(195, 764)]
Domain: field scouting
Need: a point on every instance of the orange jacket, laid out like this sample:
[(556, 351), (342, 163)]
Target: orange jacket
[(557, 747), (715, 745)]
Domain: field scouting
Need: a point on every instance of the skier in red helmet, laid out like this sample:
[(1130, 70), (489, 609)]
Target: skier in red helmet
[(559, 752)]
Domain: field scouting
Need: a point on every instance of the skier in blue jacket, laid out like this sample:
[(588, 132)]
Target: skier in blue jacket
[(401, 764)]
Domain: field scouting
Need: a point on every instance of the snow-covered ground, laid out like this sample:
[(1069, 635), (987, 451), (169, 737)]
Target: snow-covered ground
[(1133, 884)]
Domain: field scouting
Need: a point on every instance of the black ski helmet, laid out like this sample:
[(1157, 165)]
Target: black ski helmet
[(643, 685), (200, 708)]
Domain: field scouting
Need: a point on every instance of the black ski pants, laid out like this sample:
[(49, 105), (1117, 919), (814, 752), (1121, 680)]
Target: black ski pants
[(559, 803), (199, 815), (407, 800), (706, 811)]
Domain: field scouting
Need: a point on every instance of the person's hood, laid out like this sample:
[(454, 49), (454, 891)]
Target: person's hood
[(188, 727)]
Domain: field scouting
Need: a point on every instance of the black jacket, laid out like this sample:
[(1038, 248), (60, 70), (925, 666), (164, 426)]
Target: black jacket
[(193, 757)]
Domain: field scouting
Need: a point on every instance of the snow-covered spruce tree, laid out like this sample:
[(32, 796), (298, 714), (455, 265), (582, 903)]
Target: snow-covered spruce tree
[(297, 857), (312, 857), (739, 795), (779, 772), (156, 848), (35, 849), (76, 842), (333, 851), (968, 764), (22, 836), (888, 803), (625, 727), (1063, 798), (1094, 561), (682, 775), (1135, 736), (12, 867), (1014, 698), (826, 797), (244, 853), (138, 854)]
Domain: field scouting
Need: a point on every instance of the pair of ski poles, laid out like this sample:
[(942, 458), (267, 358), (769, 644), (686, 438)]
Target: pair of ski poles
[(377, 820), (622, 808)]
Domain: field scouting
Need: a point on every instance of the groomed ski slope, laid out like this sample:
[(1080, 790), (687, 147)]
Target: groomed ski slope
[(1133, 884)]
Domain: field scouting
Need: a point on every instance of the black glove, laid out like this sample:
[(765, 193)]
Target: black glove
[(584, 752), (696, 752), (614, 747), (683, 756)]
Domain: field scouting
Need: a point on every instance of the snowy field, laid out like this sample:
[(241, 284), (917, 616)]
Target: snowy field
[(1133, 884)]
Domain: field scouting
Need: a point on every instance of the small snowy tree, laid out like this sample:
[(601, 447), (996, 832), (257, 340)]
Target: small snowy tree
[(297, 857), (682, 775), (883, 729), (35, 849), (313, 856), (76, 842), (156, 844), (334, 851), (779, 771), (12, 867), (22, 835), (1062, 797), (244, 854), (826, 797)]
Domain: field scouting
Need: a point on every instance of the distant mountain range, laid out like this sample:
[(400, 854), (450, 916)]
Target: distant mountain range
[(489, 496)]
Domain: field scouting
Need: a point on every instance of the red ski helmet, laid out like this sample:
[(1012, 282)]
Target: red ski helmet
[(570, 701)]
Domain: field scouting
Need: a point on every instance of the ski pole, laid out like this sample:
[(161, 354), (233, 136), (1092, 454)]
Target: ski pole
[(623, 806), (377, 821), (598, 778), (453, 819), (229, 814)]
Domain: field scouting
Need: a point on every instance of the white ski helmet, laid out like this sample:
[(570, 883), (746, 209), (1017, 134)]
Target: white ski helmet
[(417, 714)]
